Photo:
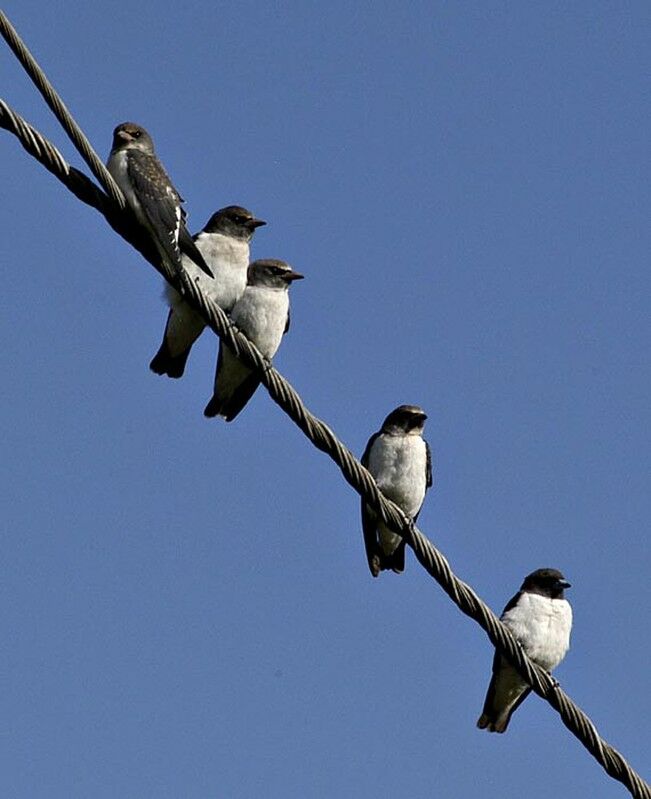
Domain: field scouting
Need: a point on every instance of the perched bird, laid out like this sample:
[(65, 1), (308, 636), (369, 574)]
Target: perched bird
[(540, 618), (400, 461), (151, 196), (262, 314), (224, 243)]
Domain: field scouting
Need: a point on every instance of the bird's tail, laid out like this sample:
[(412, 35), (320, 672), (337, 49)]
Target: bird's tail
[(395, 561), (496, 715), (230, 403), (213, 408), (164, 363), (486, 722)]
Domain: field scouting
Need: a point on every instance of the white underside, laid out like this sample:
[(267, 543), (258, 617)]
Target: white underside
[(228, 258), (261, 314), (399, 465), (117, 166), (543, 626)]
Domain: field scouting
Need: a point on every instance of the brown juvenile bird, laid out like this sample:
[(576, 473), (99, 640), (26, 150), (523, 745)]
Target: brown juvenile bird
[(149, 192)]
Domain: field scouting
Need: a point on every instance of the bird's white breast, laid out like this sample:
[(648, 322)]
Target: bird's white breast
[(261, 314), (398, 464), (542, 625), (117, 166), (228, 258)]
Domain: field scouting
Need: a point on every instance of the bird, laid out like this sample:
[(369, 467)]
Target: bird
[(540, 618), (262, 314), (400, 460), (224, 243), (152, 198)]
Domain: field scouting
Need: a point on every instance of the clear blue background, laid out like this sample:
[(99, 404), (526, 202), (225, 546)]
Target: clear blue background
[(186, 609)]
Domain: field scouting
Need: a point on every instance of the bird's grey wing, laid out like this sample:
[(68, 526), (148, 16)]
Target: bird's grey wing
[(187, 242), (189, 248), (515, 706), (488, 711), (428, 476), (214, 406), (369, 523), (161, 205), (159, 202), (369, 529)]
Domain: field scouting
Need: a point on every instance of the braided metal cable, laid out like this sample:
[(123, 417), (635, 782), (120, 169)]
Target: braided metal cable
[(284, 395), (432, 560), (79, 184), (59, 109)]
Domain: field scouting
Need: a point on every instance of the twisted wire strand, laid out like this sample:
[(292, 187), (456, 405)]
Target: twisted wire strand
[(79, 184), (324, 439), (59, 109)]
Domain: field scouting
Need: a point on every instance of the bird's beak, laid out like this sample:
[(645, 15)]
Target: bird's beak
[(123, 135), (564, 584), (289, 276), (254, 223)]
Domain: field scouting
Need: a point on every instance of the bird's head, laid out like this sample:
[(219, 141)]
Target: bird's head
[(272, 273), (234, 221), (405, 419), (128, 135)]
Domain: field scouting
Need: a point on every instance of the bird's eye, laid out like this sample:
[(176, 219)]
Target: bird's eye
[(136, 134)]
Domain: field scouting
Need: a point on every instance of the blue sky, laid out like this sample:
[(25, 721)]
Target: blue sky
[(186, 607)]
